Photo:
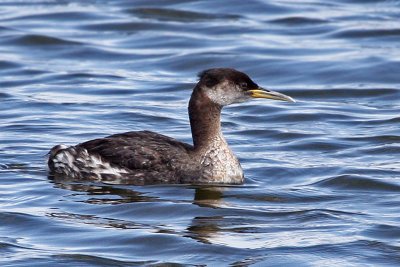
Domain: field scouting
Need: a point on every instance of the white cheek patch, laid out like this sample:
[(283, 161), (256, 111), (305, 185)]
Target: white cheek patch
[(224, 94), (218, 97)]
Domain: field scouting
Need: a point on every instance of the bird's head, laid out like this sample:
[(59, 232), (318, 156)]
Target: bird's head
[(225, 86)]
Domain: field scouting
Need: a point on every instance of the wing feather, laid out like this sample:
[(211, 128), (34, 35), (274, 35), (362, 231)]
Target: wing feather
[(143, 150)]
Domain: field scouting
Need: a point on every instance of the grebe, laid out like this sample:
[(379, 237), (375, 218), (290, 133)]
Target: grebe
[(146, 157)]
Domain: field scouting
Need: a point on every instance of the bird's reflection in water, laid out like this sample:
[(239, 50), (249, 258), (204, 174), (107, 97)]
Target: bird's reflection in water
[(200, 228), (104, 194), (97, 221), (204, 228), (204, 196), (208, 196)]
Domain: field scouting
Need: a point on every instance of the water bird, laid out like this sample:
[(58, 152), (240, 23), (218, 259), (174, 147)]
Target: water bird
[(144, 157)]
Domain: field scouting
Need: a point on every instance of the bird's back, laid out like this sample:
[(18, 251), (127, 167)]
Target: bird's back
[(134, 157)]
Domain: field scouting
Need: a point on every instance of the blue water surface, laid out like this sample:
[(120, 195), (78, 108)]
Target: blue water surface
[(322, 175)]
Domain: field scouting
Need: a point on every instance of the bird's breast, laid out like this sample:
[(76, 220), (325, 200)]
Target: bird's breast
[(220, 165)]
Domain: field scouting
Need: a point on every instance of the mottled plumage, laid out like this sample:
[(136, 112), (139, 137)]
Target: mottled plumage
[(146, 157)]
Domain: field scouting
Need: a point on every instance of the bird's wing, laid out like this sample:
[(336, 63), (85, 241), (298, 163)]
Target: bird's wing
[(139, 150)]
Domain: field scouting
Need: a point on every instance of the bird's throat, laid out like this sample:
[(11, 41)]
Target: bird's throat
[(205, 120)]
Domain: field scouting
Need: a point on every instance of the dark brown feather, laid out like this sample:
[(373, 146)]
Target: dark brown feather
[(142, 150)]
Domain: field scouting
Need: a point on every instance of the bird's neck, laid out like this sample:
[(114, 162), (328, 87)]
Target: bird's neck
[(205, 120), (217, 163)]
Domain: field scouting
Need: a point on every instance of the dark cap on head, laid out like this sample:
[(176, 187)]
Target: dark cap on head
[(212, 77)]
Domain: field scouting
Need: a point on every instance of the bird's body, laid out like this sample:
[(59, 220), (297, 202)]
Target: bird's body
[(146, 157)]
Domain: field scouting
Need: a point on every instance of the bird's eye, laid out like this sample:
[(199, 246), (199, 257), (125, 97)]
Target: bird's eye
[(243, 85)]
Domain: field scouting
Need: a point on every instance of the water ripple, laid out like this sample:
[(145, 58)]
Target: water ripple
[(321, 175), (178, 15), (358, 182)]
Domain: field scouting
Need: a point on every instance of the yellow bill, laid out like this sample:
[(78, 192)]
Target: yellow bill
[(264, 93)]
